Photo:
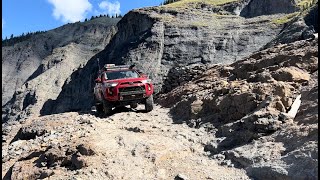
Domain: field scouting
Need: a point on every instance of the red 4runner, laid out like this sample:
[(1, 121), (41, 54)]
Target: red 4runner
[(120, 86)]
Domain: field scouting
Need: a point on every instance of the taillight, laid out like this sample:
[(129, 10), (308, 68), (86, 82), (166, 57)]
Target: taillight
[(149, 87)]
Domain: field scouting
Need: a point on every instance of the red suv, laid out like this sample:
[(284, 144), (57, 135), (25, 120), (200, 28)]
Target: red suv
[(120, 86)]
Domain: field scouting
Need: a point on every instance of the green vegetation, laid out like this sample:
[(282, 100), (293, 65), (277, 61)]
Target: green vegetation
[(12, 40), (169, 2), (200, 24), (305, 4), (286, 18), (103, 15), (194, 18), (185, 3), (24, 36)]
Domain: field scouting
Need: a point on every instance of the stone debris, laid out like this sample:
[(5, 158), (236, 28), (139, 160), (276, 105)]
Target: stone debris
[(236, 96)]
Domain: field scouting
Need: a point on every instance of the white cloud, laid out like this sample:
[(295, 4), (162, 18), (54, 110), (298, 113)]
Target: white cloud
[(70, 10), (110, 8)]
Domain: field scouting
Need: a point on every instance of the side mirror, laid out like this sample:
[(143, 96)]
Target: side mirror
[(98, 80)]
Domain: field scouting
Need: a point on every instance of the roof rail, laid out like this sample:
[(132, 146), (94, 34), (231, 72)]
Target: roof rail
[(114, 67)]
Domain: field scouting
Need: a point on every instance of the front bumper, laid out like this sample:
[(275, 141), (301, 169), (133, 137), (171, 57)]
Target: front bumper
[(129, 93)]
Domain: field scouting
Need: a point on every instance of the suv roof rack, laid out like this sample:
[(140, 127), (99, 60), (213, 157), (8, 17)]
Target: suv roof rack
[(114, 67)]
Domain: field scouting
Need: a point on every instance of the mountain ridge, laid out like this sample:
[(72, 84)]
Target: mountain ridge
[(225, 87)]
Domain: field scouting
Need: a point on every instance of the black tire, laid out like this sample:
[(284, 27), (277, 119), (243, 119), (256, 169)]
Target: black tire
[(98, 105), (134, 105), (107, 107), (149, 103), (99, 108)]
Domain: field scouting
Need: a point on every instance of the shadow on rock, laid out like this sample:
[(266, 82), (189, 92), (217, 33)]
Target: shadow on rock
[(8, 175), (116, 110)]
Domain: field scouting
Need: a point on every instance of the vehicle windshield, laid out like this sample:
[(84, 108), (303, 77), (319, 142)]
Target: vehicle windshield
[(121, 74)]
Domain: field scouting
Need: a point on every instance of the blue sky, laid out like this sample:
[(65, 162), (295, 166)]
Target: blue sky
[(22, 16)]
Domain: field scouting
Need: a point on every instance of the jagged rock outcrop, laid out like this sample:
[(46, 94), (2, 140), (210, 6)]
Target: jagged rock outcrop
[(224, 111), (24, 61), (267, 7), (35, 70), (311, 18), (156, 39), (127, 145), (245, 105), (295, 146), (235, 123), (300, 26)]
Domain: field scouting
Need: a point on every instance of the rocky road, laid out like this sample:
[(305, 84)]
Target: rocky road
[(231, 122), (130, 144)]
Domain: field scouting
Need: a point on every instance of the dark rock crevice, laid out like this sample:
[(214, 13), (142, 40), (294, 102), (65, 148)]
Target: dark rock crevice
[(311, 18), (268, 7)]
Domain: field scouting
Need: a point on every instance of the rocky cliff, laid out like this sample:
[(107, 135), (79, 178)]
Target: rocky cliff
[(157, 40), (236, 95), (247, 104), (266, 7), (225, 123), (35, 70), (297, 26)]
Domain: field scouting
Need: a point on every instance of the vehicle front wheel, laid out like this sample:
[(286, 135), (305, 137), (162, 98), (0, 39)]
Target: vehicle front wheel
[(107, 107), (134, 105), (149, 103), (99, 108)]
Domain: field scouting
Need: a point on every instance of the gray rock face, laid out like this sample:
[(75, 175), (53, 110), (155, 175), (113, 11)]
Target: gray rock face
[(25, 60), (292, 32), (157, 39), (235, 114), (311, 18), (126, 145), (267, 7), (33, 74), (298, 28), (297, 149), (180, 75), (139, 41), (245, 105), (156, 44)]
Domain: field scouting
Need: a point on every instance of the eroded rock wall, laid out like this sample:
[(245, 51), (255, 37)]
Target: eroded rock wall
[(34, 71), (245, 104), (267, 7)]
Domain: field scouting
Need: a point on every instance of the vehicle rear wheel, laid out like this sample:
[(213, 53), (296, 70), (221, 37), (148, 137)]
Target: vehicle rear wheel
[(99, 108), (134, 105), (107, 107), (149, 103)]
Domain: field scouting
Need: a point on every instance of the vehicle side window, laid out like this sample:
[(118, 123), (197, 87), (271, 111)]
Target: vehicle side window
[(103, 77)]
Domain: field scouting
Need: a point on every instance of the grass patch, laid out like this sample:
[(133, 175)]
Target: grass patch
[(185, 3), (304, 6), (166, 18), (199, 24), (305, 3), (286, 18)]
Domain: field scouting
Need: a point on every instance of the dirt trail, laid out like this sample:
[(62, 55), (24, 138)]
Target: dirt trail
[(130, 144)]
